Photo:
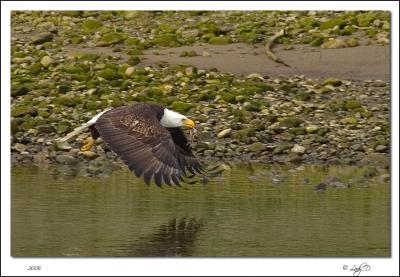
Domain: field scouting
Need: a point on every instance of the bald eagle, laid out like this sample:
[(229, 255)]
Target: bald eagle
[(149, 140)]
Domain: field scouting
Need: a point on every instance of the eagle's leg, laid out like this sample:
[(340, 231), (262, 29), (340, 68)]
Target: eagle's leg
[(91, 140)]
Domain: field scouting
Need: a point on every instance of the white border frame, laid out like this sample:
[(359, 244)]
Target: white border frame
[(193, 266)]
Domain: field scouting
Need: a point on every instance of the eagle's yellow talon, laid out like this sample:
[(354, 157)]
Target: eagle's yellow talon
[(88, 143)]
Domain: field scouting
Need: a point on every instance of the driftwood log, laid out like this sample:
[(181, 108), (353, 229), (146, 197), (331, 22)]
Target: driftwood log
[(269, 46)]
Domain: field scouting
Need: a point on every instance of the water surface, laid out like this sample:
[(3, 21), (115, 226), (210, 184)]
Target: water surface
[(248, 211)]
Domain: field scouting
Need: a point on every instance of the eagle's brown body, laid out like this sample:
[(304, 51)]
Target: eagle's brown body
[(150, 150)]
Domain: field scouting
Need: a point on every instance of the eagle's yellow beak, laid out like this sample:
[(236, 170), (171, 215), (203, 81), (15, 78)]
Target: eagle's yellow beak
[(188, 123)]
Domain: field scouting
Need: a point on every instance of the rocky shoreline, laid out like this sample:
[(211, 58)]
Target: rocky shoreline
[(240, 118)]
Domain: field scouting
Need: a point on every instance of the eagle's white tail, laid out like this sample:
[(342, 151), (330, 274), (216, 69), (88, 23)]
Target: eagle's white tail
[(80, 129)]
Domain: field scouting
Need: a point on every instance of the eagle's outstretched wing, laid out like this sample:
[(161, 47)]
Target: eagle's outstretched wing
[(135, 134)]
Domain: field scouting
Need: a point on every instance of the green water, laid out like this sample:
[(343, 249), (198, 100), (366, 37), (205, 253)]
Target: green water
[(249, 212)]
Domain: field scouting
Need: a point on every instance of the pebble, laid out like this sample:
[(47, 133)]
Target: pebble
[(46, 61), (66, 159), (334, 182), (383, 38), (129, 71), (224, 133), (332, 81), (19, 147), (321, 187), (331, 181), (381, 148), (312, 129), (257, 147), (40, 157), (190, 33), (42, 38), (384, 178), (90, 155), (334, 43), (255, 76), (294, 158), (65, 146), (298, 149)]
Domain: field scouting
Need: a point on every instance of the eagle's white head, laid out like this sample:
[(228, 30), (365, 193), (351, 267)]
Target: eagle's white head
[(171, 119)]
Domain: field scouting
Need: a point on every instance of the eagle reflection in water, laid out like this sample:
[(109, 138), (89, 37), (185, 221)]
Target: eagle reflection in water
[(173, 239)]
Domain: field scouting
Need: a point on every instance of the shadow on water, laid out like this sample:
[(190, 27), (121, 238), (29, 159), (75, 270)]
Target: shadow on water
[(175, 238)]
